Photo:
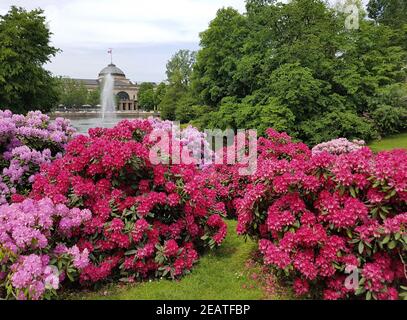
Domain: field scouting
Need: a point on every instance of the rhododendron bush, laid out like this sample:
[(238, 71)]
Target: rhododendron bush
[(147, 220), (36, 250), (227, 179), (334, 226), (26, 142), (339, 146), (111, 206)]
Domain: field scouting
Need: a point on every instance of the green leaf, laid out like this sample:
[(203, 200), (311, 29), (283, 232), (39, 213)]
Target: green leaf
[(391, 245), (386, 239), (361, 247), (130, 252)]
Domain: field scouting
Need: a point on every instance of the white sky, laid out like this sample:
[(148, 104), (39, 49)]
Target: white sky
[(143, 33)]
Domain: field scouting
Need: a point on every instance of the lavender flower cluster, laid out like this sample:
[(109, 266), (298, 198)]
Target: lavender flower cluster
[(338, 146), (195, 140), (32, 257), (26, 142)]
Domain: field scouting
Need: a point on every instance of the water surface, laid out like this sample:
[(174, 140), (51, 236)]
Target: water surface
[(84, 121)]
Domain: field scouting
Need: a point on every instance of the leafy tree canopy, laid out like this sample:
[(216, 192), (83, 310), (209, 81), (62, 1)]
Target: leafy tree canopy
[(179, 71), (24, 49), (146, 96), (299, 58)]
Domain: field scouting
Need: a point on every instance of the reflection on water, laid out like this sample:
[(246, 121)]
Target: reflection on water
[(84, 121)]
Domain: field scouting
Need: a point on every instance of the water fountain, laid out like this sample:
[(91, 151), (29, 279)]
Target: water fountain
[(108, 100)]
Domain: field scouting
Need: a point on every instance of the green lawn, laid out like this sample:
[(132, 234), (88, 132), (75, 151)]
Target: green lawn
[(394, 142), (220, 274)]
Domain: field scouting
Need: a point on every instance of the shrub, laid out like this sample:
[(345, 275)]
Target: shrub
[(390, 120), (336, 124), (26, 142), (319, 217), (147, 220), (36, 251), (226, 179)]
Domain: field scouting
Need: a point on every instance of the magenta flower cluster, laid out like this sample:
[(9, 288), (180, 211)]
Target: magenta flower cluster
[(320, 217)]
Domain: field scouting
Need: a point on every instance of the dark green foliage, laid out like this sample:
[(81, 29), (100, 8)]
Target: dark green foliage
[(297, 62), (390, 12), (24, 49), (217, 62), (337, 124), (390, 120), (246, 114)]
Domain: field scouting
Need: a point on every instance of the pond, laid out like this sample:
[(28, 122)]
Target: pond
[(84, 121)]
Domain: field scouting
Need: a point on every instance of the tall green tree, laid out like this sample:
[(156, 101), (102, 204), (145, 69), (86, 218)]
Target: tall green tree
[(93, 97), (179, 70), (215, 69), (24, 49), (146, 96), (160, 92)]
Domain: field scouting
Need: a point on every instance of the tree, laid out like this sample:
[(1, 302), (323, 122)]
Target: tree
[(390, 12), (216, 63), (73, 93), (339, 123), (146, 96), (299, 57), (93, 97), (296, 88), (159, 93), (179, 67), (168, 104), (24, 49), (179, 70)]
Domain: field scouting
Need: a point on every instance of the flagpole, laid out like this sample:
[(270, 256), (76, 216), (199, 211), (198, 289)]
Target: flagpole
[(111, 55)]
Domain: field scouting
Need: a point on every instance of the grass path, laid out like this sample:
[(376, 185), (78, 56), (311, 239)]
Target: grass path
[(393, 142), (220, 274)]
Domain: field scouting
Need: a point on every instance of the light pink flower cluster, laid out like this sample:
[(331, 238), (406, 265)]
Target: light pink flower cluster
[(338, 146), (194, 140)]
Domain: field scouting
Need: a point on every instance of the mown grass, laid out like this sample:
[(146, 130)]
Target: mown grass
[(393, 142), (219, 275)]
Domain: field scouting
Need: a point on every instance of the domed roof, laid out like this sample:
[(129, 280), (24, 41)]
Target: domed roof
[(113, 70)]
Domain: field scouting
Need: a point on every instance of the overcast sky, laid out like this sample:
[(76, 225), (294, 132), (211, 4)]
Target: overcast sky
[(144, 34)]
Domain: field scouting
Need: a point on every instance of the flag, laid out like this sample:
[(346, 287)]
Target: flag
[(110, 51)]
